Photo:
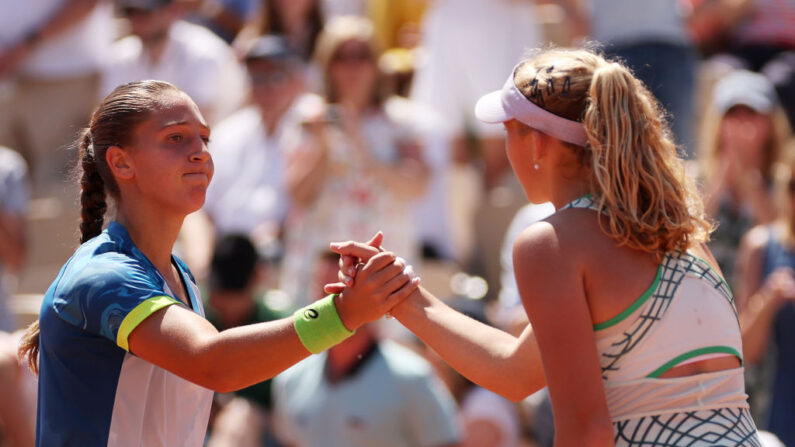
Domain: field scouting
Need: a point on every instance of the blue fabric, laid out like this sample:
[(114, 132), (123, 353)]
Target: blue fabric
[(79, 361), (782, 407), (668, 71)]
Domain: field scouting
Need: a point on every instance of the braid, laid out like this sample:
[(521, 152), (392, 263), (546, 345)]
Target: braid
[(92, 197)]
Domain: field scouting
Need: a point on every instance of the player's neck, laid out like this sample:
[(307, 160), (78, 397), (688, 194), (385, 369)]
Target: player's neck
[(155, 237)]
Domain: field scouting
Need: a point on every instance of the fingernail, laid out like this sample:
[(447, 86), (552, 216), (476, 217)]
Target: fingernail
[(415, 280)]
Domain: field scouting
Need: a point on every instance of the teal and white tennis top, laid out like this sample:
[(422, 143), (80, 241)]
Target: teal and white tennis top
[(686, 315), (92, 390)]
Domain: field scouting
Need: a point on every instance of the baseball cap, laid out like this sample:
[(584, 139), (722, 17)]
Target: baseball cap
[(746, 88), (272, 47), (509, 103)]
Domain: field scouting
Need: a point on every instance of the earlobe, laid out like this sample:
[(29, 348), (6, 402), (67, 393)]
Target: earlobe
[(119, 163)]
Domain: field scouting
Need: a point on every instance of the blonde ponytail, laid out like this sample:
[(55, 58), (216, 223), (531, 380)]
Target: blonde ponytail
[(638, 179), (651, 204)]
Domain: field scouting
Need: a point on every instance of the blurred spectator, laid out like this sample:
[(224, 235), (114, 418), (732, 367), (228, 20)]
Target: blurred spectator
[(357, 171), (459, 64), (299, 20), (431, 211), (466, 47), (248, 194), (766, 301), (227, 18), (163, 47), (489, 420), (13, 207), (742, 137), (362, 392), (50, 54), (234, 300), (757, 35), (650, 37)]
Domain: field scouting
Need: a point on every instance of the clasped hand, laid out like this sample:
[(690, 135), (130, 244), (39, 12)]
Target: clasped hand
[(372, 281)]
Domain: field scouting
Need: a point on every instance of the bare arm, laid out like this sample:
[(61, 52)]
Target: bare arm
[(69, 14), (551, 286), (186, 344), (483, 354)]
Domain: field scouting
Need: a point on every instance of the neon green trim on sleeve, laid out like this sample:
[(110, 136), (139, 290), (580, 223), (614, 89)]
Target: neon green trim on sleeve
[(139, 314), (634, 306), (694, 353)]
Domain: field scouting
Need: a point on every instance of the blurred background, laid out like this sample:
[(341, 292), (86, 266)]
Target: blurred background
[(333, 119)]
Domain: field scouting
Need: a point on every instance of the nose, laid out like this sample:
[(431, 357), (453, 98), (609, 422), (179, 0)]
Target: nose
[(201, 154)]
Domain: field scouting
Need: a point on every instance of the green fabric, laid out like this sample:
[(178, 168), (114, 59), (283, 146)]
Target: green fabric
[(319, 326), (694, 353)]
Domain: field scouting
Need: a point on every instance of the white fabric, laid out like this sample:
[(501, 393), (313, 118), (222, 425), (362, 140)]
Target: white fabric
[(393, 400), (509, 103), (177, 410), (195, 60), (248, 188), (482, 405), (77, 51), (509, 299), (470, 45), (632, 21)]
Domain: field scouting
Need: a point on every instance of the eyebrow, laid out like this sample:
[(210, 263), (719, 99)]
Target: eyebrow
[(182, 123)]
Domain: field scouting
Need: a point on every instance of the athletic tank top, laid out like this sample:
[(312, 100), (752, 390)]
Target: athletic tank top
[(687, 314)]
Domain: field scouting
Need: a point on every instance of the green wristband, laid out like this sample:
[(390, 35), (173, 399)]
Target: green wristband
[(319, 326)]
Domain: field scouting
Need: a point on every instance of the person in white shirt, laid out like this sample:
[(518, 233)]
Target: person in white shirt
[(248, 194), (163, 47), (50, 53)]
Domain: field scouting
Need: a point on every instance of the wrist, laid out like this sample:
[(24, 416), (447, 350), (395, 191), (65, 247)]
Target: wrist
[(319, 326)]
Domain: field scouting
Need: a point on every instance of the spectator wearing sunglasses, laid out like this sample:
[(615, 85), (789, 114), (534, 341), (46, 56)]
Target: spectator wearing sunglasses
[(162, 46), (248, 194)]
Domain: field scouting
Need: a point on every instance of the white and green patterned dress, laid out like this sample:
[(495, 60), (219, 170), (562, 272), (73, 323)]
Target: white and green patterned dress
[(686, 315)]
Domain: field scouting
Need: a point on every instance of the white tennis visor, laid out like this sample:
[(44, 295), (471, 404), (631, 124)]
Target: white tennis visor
[(509, 103)]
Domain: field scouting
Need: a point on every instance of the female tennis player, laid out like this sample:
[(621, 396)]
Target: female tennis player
[(125, 356), (633, 329)]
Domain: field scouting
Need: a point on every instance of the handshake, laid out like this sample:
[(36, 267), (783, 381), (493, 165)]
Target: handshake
[(371, 281)]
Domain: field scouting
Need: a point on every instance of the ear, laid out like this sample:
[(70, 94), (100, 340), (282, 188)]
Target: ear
[(120, 163), (540, 145)]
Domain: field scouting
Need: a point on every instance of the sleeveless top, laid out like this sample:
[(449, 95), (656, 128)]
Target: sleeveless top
[(687, 314)]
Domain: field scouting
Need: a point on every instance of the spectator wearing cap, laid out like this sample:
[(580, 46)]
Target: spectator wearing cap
[(363, 392), (50, 54), (248, 193), (236, 299), (742, 137), (164, 47), (766, 302)]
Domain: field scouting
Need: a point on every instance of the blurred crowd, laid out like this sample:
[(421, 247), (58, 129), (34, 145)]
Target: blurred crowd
[(333, 119)]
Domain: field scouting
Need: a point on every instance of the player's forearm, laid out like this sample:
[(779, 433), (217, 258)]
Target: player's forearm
[(240, 357), (487, 356)]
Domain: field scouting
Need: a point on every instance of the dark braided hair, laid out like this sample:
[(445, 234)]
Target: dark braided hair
[(92, 197), (112, 124)]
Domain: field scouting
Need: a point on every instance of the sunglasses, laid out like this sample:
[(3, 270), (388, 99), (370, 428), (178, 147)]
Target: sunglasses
[(129, 11), (270, 78), (353, 56)]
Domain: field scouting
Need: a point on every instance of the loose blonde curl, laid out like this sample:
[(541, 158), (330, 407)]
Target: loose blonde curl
[(639, 182)]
